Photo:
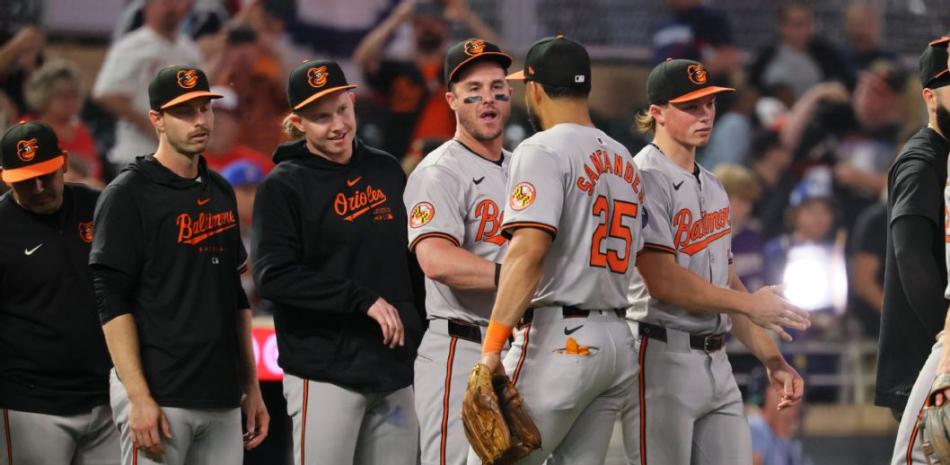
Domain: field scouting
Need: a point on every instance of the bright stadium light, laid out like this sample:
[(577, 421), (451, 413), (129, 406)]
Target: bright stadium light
[(815, 278)]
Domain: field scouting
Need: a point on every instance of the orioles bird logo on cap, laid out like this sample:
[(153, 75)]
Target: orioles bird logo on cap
[(187, 78), (474, 47), (26, 149), (696, 73), (317, 76)]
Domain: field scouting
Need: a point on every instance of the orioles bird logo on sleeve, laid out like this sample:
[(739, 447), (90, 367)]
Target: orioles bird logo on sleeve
[(522, 196), (696, 73), (474, 47), (317, 76), (187, 78), (26, 149), (422, 213)]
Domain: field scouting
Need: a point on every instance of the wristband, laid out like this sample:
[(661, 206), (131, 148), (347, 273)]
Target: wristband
[(495, 338)]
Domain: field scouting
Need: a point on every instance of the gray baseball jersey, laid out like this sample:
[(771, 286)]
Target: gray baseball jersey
[(687, 216), (457, 195), (581, 186)]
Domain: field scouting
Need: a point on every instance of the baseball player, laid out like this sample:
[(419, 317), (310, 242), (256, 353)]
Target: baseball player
[(455, 199), (329, 250), (911, 174), (167, 258), (54, 368), (573, 218), (688, 408)]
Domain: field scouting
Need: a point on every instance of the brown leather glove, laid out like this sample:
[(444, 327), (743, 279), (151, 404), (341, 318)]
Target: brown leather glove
[(496, 423)]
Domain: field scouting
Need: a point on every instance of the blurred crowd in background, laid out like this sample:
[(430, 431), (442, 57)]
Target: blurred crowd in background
[(803, 148)]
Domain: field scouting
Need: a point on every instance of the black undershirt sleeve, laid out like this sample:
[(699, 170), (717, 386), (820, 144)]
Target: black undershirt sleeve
[(918, 269), (113, 292)]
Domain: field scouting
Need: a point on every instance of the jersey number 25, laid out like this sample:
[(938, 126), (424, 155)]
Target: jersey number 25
[(614, 218)]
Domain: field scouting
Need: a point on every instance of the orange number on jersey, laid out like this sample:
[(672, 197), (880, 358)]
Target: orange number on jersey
[(617, 230)]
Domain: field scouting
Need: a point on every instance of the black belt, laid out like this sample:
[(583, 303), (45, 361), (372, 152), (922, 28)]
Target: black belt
[(569, 311), (465, 330), (709, 343)]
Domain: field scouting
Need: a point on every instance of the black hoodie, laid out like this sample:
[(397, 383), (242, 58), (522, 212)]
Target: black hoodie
[(53, 358), (327, 241), (914, 304), (177, 241)]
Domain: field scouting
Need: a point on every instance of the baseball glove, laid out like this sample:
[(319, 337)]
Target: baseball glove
[(496, 423), (934, 425)]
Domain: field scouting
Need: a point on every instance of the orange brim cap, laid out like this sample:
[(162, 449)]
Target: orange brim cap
[(42, 168), (516, 76), (189, 96), (701, 93), (322, 93)]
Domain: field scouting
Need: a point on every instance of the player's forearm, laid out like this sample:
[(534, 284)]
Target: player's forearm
[(520, 275), (755, 338), (671, 283), (455, 267), (248, 363), (122, 339), (369, 50)]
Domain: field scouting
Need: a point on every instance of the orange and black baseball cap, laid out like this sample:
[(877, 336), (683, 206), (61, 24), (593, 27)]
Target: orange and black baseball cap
[(314, 79), (470, 51), (678, 81), (174, 85), (932, 68), (556, 61), (30, 150)]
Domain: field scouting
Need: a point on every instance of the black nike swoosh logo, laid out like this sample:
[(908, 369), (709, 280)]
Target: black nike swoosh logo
[(676, 187), (568, 332), (479, 180)]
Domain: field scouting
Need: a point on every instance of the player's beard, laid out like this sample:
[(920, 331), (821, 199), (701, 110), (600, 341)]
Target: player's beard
[(943, 120), (533, 119), (471, 127)]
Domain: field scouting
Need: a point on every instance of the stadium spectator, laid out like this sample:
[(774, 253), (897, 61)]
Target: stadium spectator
[(856, 135), (732, 135), (866, 271), (77, 171), (862, 29), (244, 176), (774, 432), (747, 241), (413, 91), (225, 148), (800, 59), (808, 259), (130, 64), (19, 56), (697, 32), (769, 163), (54, 95)]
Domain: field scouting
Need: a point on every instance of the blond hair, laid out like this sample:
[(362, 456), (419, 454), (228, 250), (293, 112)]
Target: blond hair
[(738, 181), (645, 122), (288, 126), (38, 91)]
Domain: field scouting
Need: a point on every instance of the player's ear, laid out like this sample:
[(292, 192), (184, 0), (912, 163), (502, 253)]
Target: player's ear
[(930, 98), (656, 111), (157, 121), (451, 98), (65, 161)]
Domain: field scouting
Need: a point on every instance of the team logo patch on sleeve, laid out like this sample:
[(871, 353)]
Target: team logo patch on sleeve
[(422, 213), (522, 196), (85, 231)]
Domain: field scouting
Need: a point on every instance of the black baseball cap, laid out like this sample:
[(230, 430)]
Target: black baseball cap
[(30, 150), (470, 51), (314, 79), (556, 61), (174, 85), (678, 81), (932, 67)]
